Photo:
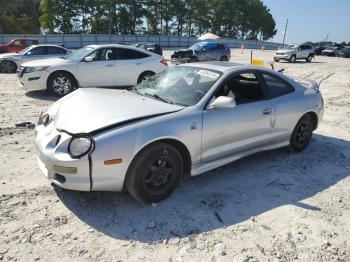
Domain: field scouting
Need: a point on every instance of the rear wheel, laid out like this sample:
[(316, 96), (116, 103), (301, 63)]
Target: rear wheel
[(309, 58), (61, 84), (145, 76), (154, 173), (302, 134), (8, 67), (224, 58)]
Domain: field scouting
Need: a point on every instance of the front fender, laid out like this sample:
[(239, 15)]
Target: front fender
[(125, 142)]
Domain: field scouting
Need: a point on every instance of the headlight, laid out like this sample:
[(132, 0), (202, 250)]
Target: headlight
[(36, 68), (44, 119), (79, 146)]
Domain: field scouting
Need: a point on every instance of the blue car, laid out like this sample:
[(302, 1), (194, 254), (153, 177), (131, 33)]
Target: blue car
[(202, 51)]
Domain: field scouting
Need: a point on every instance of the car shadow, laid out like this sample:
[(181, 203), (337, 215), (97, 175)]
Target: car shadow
[(42, 95), (224, 197)]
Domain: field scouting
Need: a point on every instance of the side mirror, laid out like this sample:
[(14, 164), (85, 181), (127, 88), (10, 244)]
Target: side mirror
[(222, 102), (88, 59), (29, 53)]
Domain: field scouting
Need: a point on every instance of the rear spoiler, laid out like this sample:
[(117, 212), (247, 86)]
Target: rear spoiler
[(311, 85)]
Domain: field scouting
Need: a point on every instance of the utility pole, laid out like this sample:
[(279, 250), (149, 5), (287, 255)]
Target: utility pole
[(325, 41), (285, 32)]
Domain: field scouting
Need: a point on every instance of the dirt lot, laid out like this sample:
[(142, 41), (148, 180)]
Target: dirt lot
[(273, 206)]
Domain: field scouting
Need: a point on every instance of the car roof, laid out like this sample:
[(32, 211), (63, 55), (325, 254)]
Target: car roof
[(24, 39), (220, 66), (47, 45)]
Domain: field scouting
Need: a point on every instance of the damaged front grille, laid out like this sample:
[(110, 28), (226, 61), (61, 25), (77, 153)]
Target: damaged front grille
[(182, 54)]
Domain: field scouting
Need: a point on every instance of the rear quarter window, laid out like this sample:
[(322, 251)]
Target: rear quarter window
[(277, 87), (128, 54)]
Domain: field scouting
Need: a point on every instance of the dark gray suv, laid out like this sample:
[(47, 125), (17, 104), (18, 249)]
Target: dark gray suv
[(202, 51)]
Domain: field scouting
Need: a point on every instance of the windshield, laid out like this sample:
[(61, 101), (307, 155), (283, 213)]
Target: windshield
[(181, 85), (197, 46), (25, 50), (80, 54)]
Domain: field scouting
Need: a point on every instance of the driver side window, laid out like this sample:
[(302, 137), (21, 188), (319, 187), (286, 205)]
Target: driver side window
[(244, 88)]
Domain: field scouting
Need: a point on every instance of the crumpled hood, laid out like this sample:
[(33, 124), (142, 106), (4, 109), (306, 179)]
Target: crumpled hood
[(9, 55), (47, 62), (89, 109)]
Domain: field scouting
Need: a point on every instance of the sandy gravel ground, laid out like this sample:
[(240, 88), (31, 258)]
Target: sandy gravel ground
[(273, 206)]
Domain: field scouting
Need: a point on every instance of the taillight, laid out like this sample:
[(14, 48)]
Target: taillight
[(164, 62)]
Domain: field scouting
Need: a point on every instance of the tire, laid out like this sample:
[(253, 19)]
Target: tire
[(8, 67), (224, 58), (194, 60), (302, 134), (145, 76), (293, 59), (154, 173), (276, 60), (309, 59), (61, 83)]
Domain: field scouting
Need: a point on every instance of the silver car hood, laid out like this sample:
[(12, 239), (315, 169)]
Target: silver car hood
[(88, 110), (285, 50)]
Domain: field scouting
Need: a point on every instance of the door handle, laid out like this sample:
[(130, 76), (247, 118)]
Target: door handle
[(109, 65), (267, 111), (138, 63)]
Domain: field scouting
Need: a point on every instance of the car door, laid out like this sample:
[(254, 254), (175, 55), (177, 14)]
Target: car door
[(245, 127), (130, 64), (100, 70), (35, 53), (283, 98)]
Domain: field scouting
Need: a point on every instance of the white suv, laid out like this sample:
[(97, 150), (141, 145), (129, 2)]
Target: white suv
[(294, 53), (91, 66)]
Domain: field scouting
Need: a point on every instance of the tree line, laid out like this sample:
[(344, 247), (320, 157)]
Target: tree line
[(243, 19)]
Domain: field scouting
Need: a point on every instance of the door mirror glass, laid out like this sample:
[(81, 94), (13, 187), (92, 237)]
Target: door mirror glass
[(29, 53), (88, 59), (222, 102)]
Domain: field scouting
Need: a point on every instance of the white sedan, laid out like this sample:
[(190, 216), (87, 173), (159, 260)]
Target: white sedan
[(92, 66), (10, 62)]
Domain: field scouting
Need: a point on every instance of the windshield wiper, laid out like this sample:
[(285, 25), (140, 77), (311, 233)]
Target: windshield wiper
[(160, 98)]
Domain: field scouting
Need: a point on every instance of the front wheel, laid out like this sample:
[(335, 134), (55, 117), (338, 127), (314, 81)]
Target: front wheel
[(309, 58), (154, 173), (61, 84), (302, 134), (8, 67)]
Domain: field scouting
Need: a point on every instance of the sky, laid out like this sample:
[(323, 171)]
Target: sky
[(311, 20)]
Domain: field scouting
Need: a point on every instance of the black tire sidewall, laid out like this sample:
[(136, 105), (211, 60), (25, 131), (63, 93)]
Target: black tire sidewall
[(293, 143), (135, 175)]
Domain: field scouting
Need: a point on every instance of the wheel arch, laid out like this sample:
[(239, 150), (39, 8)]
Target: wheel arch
[(62, 71), (313, 116), (144, 72), (180, 146)]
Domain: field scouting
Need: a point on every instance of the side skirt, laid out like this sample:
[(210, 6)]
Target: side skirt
[(205, 167)]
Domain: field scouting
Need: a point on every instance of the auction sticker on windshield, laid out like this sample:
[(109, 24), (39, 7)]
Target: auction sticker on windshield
[(208, 74)]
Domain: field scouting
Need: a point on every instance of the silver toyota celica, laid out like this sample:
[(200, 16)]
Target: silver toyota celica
[(183, 122)]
